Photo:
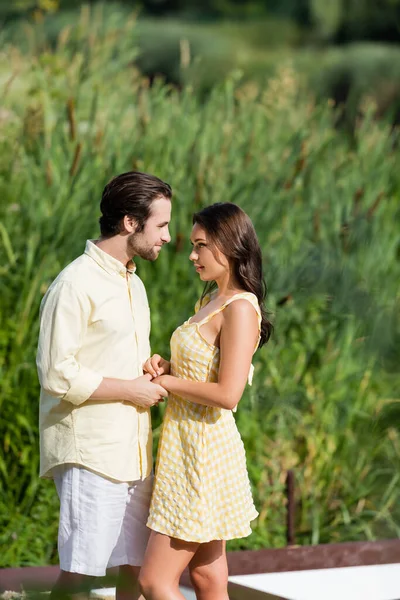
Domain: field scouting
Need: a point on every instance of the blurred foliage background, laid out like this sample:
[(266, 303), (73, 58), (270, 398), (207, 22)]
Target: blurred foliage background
[(346, 49), (290, 109)]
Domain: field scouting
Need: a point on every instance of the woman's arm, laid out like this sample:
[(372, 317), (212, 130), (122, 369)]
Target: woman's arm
[(239, 334)]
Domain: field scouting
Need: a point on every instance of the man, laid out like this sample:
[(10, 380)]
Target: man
[(95, 428)]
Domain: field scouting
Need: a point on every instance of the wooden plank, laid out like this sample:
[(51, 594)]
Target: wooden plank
[(323, 556), (244, 562)]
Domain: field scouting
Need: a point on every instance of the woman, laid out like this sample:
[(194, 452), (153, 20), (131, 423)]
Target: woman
[(202, 493)]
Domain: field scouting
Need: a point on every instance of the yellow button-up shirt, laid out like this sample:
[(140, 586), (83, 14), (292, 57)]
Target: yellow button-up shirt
[(94, 323)]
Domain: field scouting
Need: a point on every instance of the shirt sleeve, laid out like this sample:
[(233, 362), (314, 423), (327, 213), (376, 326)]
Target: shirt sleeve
[(63, 324)]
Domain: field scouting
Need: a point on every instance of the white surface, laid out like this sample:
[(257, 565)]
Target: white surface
[(103, 593), (376, 582), (109, 593), (189, 594)]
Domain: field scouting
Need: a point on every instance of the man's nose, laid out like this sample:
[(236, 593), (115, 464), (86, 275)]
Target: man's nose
[(166, 237)]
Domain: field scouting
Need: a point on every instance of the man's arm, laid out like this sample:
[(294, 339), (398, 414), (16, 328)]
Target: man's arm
[(63, 324), (139, 391), (64, 319)]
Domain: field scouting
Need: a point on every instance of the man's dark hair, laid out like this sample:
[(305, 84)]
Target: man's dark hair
[(130, 194)]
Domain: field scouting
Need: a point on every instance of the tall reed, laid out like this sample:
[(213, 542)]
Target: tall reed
[(326, 388)]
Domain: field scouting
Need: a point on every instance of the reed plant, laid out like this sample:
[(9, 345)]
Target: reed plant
[(326, 388)]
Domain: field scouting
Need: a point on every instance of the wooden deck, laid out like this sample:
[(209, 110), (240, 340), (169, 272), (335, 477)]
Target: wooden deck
[(246, 562)]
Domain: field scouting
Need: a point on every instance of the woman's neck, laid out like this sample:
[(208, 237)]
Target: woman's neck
[(227, 287)]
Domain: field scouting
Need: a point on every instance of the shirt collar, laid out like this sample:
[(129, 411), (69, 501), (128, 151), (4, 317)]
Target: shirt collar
[(108, 262)]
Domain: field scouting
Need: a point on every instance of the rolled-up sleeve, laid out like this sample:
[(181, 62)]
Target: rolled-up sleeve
[(63, 324)]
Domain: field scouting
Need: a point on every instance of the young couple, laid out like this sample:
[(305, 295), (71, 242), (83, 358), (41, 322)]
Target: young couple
[(99, 380)]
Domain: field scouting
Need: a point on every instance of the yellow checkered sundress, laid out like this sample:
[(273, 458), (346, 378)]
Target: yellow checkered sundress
[(201, 489)]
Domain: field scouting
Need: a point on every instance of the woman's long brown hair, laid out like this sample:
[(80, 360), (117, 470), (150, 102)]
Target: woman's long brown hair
[(231, 230)]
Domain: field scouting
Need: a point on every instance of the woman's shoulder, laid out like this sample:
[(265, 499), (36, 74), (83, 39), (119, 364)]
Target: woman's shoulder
[(242, 298), (241, 305)]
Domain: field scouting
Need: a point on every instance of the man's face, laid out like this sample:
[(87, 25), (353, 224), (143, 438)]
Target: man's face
[(148, 243)]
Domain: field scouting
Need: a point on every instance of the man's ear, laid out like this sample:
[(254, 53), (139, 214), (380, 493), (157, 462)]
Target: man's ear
[(130, 224)]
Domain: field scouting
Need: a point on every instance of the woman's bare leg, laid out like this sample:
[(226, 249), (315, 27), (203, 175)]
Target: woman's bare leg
[(209, 571), (165, 560)]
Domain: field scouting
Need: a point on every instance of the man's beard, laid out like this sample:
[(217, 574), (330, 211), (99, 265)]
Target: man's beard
[(135, 248)]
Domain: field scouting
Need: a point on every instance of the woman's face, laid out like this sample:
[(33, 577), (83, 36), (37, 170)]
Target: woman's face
[(210, 263)]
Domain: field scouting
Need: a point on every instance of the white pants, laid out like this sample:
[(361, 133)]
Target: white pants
[(102, 523)]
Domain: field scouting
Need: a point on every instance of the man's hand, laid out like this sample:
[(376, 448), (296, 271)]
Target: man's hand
[(143, 392), (156, 365)]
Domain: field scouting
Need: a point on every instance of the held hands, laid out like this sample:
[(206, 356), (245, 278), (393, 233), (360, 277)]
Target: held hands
[(156, 365), (158, 368), (143, 392)]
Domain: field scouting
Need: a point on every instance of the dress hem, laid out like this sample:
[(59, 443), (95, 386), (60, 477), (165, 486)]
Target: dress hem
[(178, 536)]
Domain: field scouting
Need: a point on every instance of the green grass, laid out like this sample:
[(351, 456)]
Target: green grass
[(325, 396)]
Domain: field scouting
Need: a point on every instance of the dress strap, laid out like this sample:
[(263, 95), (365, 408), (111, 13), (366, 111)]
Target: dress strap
[(200, 303), (242, 295)]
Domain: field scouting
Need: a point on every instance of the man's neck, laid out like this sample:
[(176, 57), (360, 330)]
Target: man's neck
[(114, 248)]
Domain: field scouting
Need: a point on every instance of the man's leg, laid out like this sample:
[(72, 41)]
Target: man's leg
[(71, 585), (92, 510), (127, 583), (132, 542)]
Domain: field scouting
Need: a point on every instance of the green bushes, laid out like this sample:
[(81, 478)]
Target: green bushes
[(326, 213), (201, 54), (350, 75)]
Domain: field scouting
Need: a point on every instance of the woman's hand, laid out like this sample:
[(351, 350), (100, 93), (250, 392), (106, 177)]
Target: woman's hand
[(156, 365)]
